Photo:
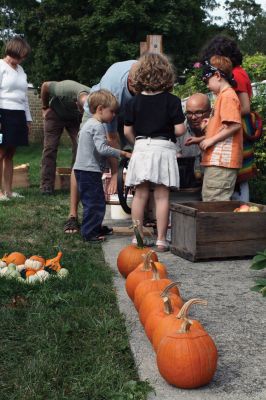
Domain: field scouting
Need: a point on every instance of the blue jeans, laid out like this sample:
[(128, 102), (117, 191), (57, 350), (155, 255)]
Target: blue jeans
[(91, 193)]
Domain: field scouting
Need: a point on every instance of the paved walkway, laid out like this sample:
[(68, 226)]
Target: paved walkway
[(235, 318)]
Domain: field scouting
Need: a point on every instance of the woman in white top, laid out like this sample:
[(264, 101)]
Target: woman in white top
[(15, 115)]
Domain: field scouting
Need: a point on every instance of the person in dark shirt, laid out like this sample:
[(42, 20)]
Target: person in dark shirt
[(153, 119)]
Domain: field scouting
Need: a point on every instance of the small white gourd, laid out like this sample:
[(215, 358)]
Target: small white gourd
[(33, 264), (62, 273), (43, 275), (20, 267), (2, 264)]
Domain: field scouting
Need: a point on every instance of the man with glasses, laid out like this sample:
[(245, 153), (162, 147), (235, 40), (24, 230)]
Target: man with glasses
[(197, 108)]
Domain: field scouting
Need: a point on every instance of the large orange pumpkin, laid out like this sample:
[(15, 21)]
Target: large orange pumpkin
[(143, 272), (14, 258), (38, 258), (187, 358), (156, 316), (154, 301), (132, 255), (172, 323), (155, 284)]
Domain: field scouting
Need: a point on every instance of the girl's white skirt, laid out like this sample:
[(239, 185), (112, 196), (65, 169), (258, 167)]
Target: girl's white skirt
[(153, 160)]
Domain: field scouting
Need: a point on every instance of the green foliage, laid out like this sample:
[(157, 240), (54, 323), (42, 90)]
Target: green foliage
[(241, 14), (258, 263), (255, 34), (193, 84), (80, 39), (255, 65)]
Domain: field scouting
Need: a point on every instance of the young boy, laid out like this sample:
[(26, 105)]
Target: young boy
[(90, 162), (222, 144)]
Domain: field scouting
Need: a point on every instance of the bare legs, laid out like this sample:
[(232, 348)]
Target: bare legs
[(138, 204), (6, 159), (161, 198), (74, 196)]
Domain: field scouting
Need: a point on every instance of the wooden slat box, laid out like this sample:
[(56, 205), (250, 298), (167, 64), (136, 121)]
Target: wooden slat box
[(62, 178), (203, 230), (21, 176)]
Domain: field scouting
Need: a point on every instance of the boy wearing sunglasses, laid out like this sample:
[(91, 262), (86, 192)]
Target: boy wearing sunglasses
[(222, 144)]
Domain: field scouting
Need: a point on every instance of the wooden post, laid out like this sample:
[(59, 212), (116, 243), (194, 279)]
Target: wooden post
[(153, 44)]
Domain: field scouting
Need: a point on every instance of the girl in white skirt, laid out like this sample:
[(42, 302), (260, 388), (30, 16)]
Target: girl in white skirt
[(153, 119)]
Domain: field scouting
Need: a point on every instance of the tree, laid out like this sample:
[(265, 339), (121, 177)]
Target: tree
[(256, 33), (80, 39), (241, 14)]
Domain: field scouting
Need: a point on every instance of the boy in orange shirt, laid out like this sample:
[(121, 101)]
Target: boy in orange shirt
[(222, 144)]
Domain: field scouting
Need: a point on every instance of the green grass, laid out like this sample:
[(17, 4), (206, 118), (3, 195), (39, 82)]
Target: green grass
[(64, 339)]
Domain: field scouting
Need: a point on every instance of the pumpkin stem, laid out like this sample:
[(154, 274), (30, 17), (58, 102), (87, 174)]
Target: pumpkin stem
[(155, 273), (183, 313), (166, 290), (167, 306), (147, 261), (185, 327), (140, 243)]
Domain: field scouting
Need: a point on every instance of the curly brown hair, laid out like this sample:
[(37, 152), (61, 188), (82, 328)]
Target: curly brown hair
[(154, 73)]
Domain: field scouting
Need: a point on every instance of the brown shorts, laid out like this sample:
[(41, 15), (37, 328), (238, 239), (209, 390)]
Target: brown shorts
[(218, 183)]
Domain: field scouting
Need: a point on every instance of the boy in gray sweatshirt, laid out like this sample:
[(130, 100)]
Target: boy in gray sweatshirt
[(90, 161)]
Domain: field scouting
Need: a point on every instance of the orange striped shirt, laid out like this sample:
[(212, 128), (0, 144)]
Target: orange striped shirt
[(227, 153)]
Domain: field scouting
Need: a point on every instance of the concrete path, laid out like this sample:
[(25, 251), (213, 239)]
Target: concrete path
[(235, 318)]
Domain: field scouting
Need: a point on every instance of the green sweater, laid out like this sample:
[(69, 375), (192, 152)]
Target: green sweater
[(64, 97)]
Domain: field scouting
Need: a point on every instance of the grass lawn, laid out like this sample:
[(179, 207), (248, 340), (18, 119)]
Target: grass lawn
[(64, 339)]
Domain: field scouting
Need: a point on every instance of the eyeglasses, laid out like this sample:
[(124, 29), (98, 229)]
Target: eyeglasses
[(197, 114)]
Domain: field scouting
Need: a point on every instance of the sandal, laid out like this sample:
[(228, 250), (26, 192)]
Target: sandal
[(162, 246), (71, 226)]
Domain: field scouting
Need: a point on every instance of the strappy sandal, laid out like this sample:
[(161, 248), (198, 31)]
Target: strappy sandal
[(162, 246), (71, 226)]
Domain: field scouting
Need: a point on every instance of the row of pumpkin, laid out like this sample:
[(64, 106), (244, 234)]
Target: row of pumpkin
[(31, 270), (186, 354)]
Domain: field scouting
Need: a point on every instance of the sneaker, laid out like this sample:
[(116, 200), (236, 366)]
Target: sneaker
[(15, 195)]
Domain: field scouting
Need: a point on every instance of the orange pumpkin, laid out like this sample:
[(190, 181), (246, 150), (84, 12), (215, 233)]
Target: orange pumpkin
[(187, 358), (38, 258), (154, 301), (131, 256), (143, 272), (14, 258), (155, 284), (172, 323), (30, 272), (54, 263), (156, 316)]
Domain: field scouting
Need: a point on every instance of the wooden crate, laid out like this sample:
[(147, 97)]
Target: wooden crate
[(62, 178), (204, 230), (21, 176)]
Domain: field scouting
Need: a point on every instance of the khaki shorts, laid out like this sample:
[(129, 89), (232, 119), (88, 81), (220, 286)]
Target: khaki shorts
[(218, 183)]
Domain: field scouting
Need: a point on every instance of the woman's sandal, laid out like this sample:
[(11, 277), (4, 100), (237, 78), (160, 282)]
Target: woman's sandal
[(71, 225), (162, 246), (105, 230)]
